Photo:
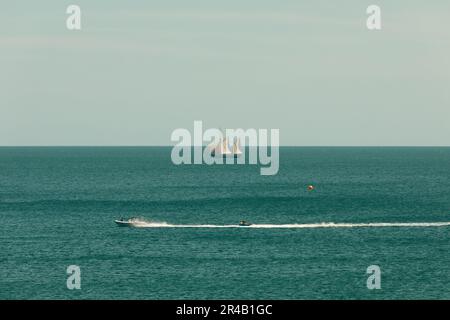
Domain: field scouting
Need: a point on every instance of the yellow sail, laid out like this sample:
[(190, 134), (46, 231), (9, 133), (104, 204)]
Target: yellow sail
[(236, 148), (225, 149)]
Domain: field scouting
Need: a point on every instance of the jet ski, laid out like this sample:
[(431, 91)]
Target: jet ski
[(244, 223)]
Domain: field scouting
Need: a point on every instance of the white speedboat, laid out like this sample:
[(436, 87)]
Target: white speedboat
[(125, 222)]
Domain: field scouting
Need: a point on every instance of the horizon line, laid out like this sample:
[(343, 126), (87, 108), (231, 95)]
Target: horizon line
[(288, 146)]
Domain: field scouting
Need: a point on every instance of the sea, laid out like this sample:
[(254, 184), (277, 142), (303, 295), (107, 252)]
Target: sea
[(387, 207)]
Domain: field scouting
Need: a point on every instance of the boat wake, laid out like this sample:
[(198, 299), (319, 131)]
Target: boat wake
[(147, 224)]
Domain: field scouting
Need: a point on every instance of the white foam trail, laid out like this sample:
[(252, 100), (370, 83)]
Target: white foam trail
[(144, 224)]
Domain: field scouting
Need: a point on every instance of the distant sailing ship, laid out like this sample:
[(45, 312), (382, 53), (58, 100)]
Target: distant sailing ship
[(223, 149)]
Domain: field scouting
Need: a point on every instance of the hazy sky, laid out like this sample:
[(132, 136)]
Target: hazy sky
[(140, 69)]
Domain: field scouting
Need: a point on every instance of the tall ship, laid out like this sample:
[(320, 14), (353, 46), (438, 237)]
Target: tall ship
[(222, 148)]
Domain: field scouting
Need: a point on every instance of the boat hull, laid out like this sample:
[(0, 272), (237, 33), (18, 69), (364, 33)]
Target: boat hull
[(123, 223)]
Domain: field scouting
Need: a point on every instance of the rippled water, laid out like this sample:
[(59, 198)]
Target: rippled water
[(384, 206)]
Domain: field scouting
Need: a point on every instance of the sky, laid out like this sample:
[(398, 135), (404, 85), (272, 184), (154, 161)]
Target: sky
[(140, 69)]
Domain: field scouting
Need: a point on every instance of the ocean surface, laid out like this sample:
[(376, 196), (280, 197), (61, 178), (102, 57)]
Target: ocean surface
[(371, 206)]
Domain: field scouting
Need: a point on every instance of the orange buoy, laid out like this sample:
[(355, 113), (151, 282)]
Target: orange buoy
[(310, 188)]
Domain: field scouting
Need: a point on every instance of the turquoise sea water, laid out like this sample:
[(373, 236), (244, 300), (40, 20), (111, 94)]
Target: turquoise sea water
[(57, 207)]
